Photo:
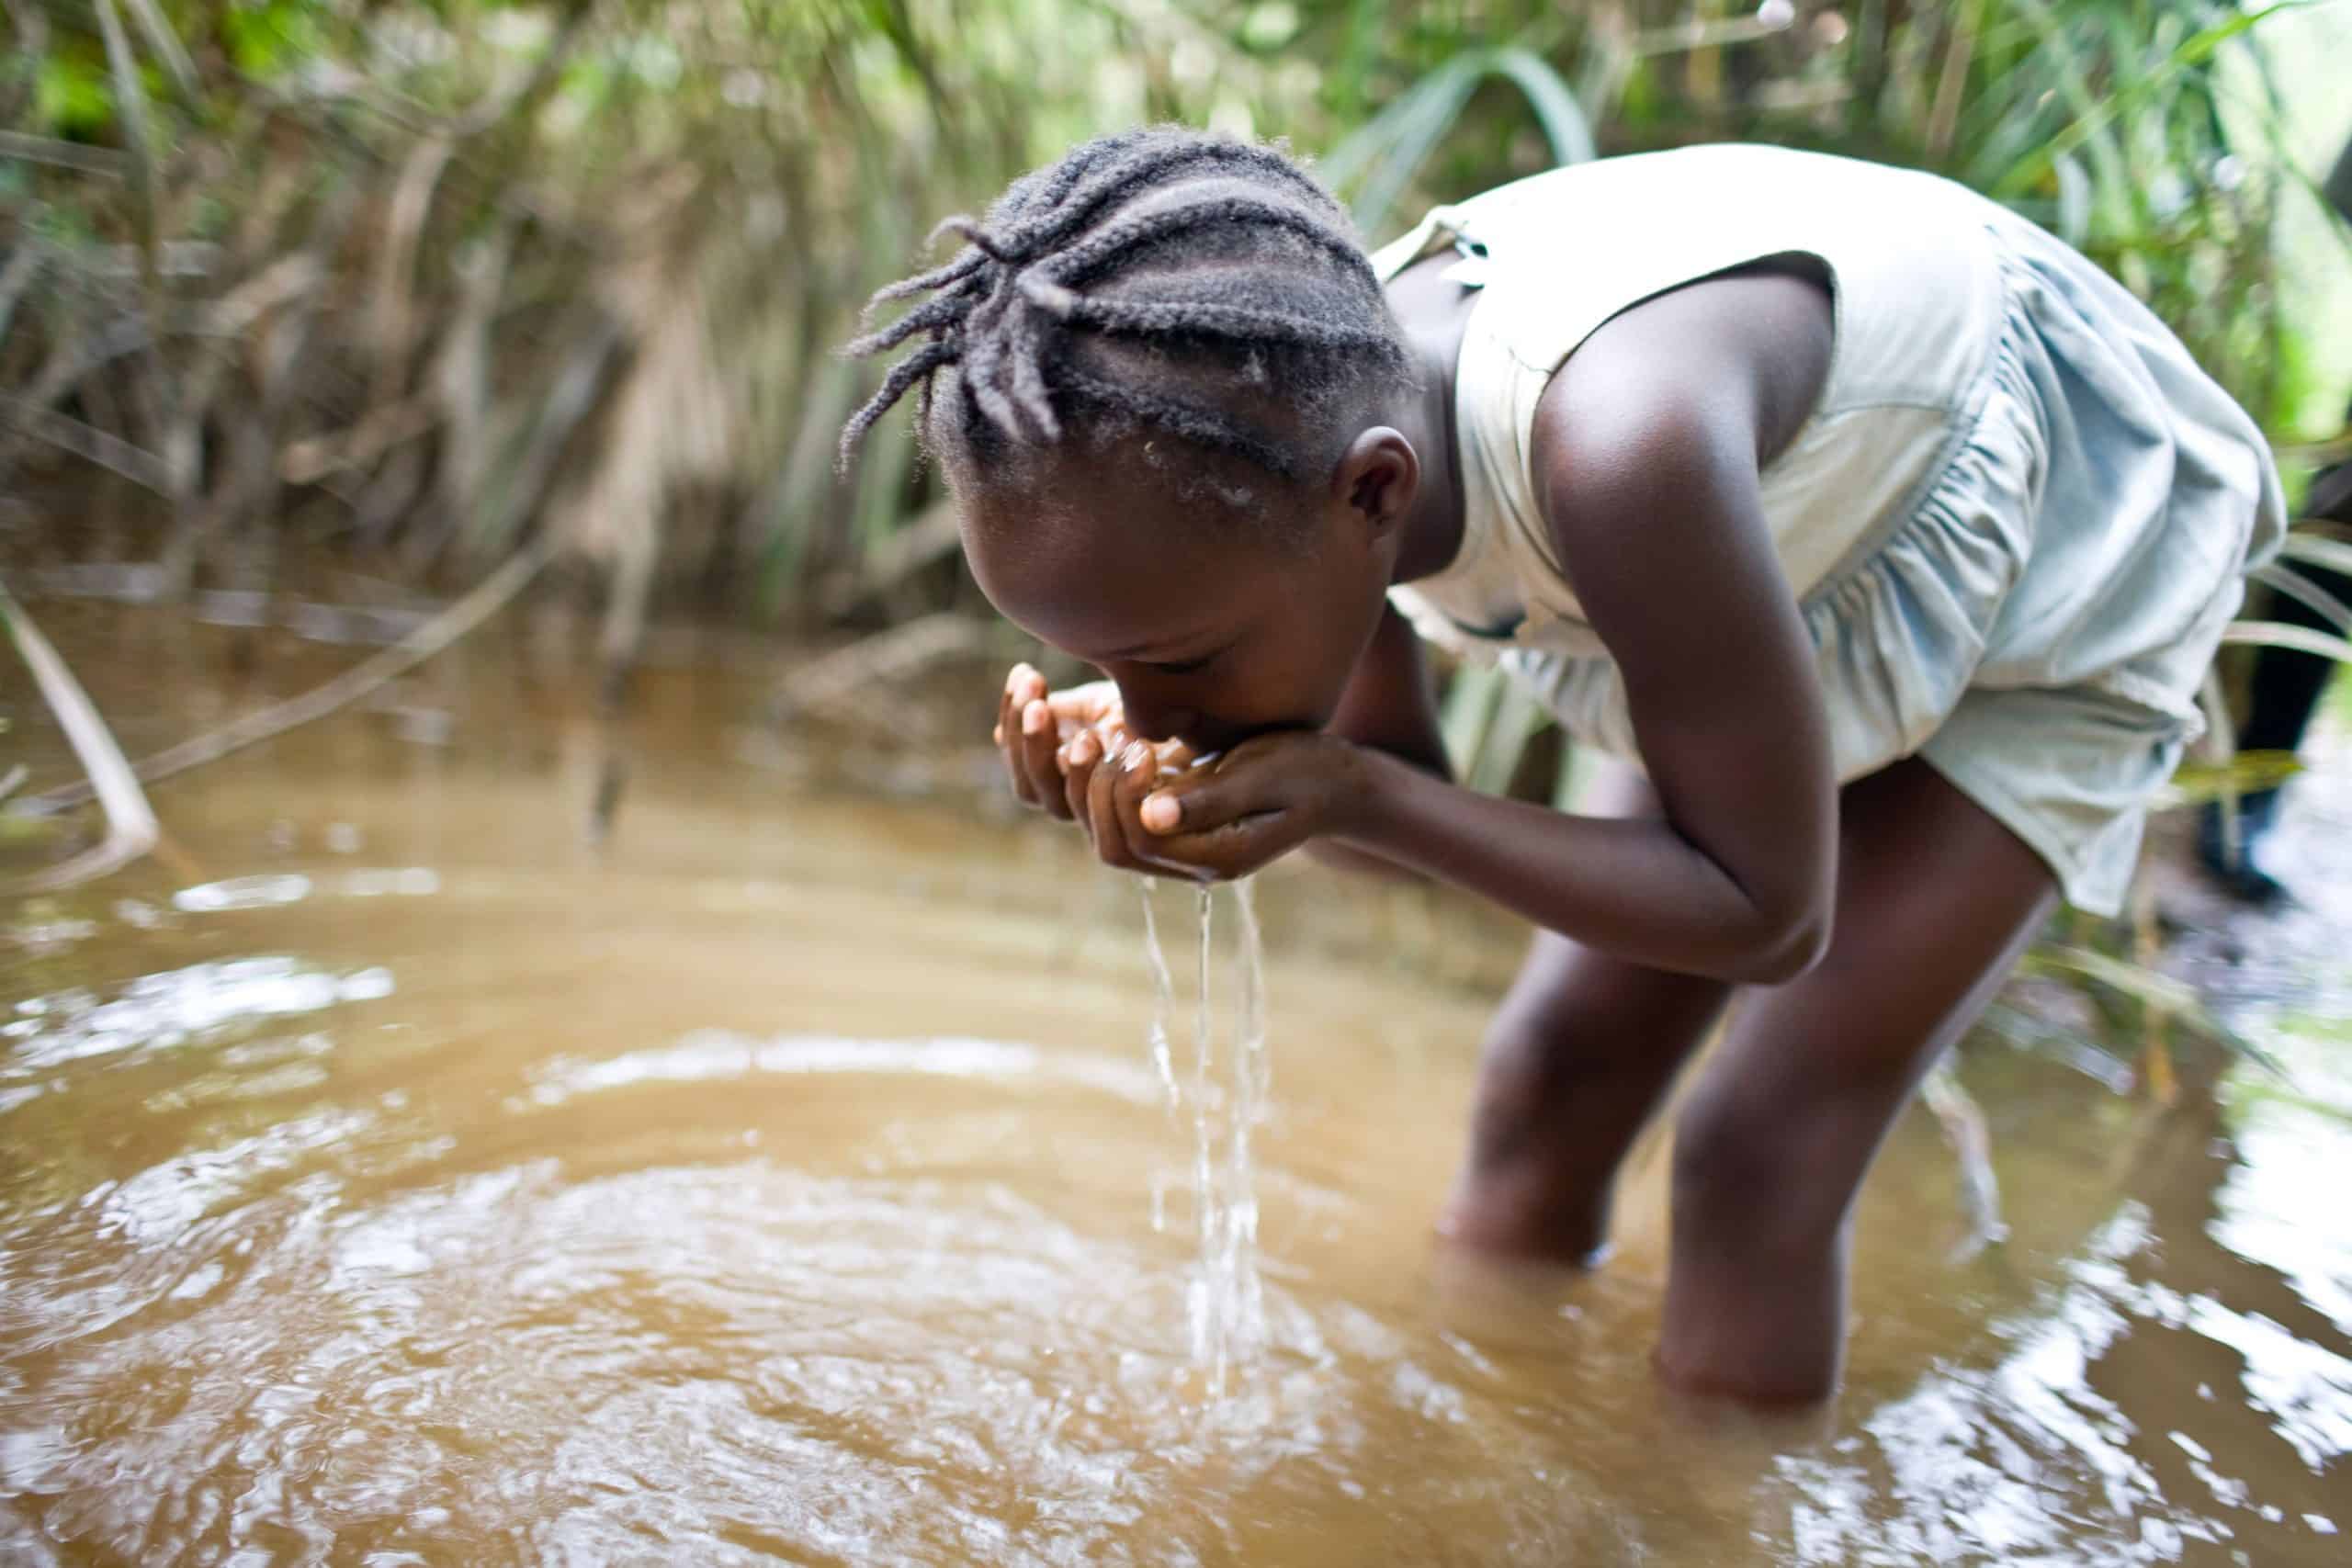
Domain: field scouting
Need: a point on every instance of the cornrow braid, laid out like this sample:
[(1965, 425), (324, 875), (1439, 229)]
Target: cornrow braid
[(1042, 194), (1243, 324), (1239, 313), (1093, 255)]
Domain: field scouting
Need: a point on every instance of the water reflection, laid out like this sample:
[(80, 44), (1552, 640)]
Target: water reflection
[(162, 1013)]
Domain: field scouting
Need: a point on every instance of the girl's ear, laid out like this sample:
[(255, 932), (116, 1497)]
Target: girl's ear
[(1378, 477)]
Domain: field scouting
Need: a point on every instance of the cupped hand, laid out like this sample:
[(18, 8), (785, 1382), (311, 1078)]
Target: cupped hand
[(1034, 727), (1256, 803)]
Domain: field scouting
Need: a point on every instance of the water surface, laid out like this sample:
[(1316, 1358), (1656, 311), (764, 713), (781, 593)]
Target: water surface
[(399, 1172)]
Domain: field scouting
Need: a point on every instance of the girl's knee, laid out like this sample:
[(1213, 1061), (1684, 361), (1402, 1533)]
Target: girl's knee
[(1773, 1165), (1726, 1155)]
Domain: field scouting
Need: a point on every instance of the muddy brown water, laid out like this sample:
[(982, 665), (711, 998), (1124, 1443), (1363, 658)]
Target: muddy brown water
[(393, 1174)]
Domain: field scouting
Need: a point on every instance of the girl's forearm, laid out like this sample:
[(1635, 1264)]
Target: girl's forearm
[(1632, 888), (1343, 855)]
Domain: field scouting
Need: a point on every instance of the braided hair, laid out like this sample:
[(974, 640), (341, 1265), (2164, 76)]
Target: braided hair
[(1160, 280)]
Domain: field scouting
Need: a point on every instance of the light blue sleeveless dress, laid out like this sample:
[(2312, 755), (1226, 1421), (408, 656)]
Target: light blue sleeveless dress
[(2017, 521)]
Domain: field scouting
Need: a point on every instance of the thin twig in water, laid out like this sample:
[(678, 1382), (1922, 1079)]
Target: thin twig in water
[(130, 822), (1971, 1143), (485, 599)]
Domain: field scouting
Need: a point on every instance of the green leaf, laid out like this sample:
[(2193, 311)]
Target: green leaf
[(2248, 772), (72, 99)]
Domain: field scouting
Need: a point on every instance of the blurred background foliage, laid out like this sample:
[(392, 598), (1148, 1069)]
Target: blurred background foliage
[(398, 285)]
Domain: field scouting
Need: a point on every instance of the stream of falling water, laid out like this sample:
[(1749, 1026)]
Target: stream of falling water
[(1224, 1305)]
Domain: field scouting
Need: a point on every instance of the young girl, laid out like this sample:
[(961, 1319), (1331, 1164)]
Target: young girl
[(1883, 538)]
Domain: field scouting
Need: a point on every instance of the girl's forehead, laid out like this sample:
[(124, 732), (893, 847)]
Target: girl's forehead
[(1116, 594), (1077, 491), (1091, 526)]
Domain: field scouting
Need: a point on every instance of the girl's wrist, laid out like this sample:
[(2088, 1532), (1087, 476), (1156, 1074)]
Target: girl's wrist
[(1364, 806)]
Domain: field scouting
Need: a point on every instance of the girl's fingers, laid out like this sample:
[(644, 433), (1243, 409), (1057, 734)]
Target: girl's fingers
[(1204, 798), (1029, 741), (1038, 743), (1007, 734), (1138, 770), (1112, 843), (1079, 760), (1103, 813), (1076, 708)]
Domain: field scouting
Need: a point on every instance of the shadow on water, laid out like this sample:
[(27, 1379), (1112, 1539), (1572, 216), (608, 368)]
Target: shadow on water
[(499, 1134)]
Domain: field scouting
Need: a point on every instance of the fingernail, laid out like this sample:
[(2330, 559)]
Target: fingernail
[(1134, 756), (1161, 813), (1082, 750), (1034, 719)]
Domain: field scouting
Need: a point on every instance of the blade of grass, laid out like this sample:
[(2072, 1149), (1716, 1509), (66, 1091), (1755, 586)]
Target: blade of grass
[(2313, 550), (2273, 633), (2296, 586), (1556, 109), (1427, 111)]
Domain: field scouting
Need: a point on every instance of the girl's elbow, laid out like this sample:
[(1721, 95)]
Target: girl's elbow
[(1792, 948)]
